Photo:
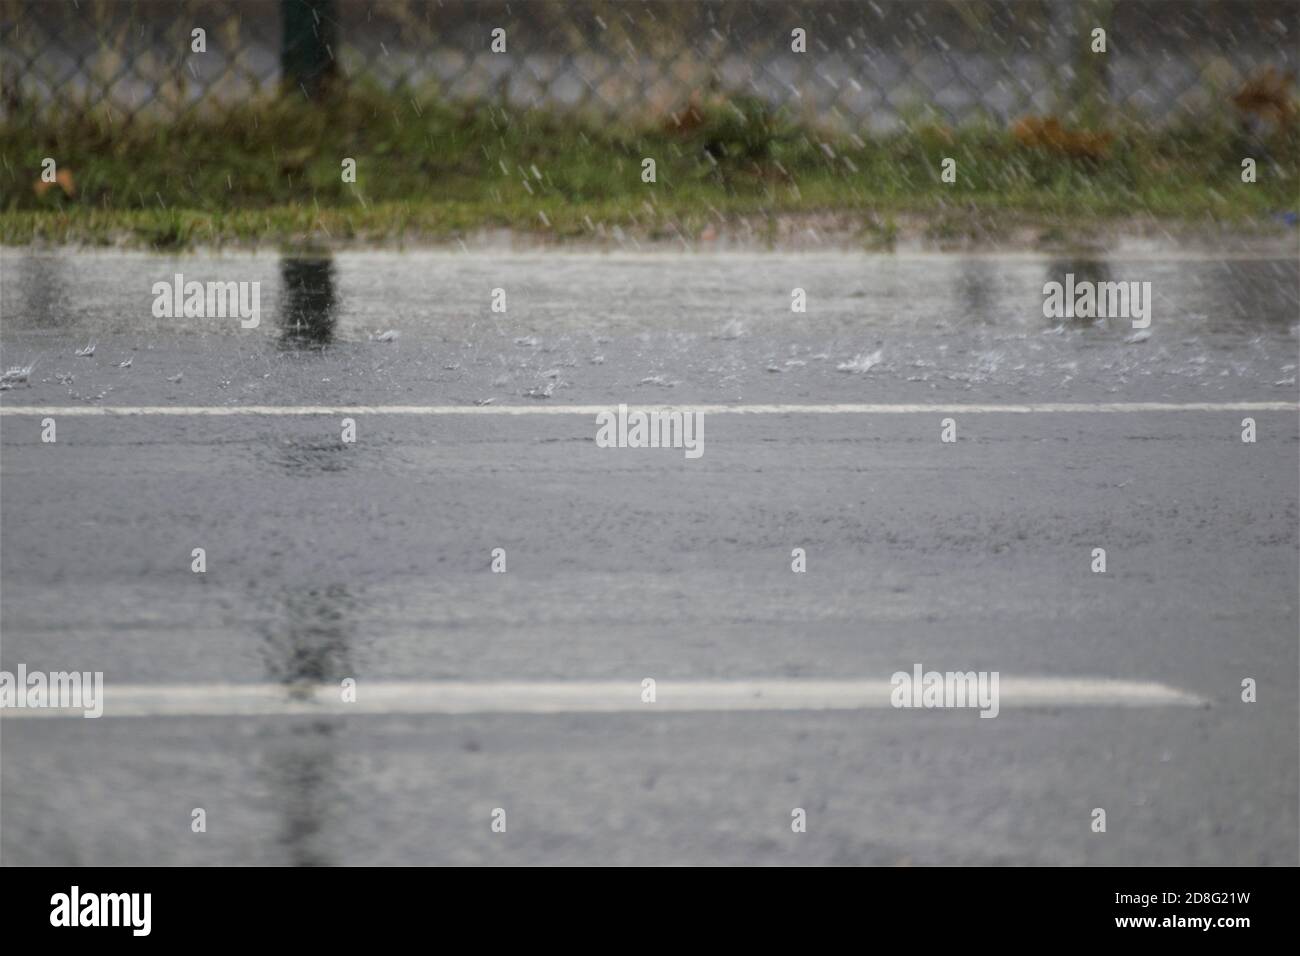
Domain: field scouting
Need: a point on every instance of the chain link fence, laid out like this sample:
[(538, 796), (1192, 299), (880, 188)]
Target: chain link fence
[(869, 65)]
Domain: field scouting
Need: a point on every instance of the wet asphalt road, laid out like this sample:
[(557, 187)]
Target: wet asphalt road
[(372, 560), (646, 328)]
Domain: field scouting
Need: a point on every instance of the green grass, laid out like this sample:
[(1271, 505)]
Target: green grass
[(432, 172)]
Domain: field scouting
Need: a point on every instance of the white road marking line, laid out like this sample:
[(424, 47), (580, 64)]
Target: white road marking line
[(592, 410), (578, 697)]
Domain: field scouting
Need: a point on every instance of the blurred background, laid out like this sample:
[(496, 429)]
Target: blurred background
[(870, 65)]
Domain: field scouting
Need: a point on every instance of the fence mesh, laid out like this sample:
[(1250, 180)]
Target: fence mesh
[(870, 65)]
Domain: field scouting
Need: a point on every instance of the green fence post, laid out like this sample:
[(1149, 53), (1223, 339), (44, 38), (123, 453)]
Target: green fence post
[(308, 46), (1091, 93)]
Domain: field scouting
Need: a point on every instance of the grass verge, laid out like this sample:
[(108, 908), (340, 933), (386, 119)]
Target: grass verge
[(428, 171)]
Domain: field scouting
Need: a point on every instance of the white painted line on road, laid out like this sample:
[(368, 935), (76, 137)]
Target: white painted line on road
[(580, 697), (591, 410)]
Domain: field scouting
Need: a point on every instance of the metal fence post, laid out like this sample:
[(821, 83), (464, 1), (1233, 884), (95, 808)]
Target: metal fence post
[(307, 46), (1091, 92)]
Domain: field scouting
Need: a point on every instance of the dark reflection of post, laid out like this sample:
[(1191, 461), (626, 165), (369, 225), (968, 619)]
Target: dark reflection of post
[(308, 644), (974, 291), (1084, 270), (302, 770), (308, 302), (40, 280), (1240, 296)]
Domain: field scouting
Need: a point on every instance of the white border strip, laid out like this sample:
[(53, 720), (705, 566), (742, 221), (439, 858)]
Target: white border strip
[(579, 697), (591, 410)]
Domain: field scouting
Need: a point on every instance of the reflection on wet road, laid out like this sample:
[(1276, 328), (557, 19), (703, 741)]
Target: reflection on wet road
[(372, 560), (307, 288), (379, 328)]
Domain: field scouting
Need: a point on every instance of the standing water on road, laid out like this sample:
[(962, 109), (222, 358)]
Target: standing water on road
[(463, 328)]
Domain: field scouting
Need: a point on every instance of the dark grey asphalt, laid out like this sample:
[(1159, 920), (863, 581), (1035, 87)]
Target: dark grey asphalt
[(373, 560)]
